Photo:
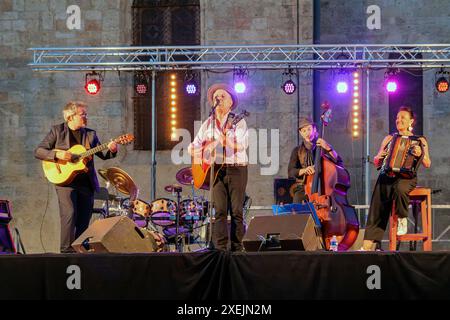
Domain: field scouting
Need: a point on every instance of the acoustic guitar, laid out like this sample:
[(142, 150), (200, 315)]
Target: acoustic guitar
[(203, 158), (61, 172)]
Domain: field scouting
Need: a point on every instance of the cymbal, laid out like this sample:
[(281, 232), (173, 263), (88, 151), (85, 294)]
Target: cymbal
[(173, 188), (122, 181), (184, 176), (102, 173)]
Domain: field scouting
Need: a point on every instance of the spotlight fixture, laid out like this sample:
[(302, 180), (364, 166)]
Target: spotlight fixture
[(240, 76), (342, 87), (289, 86), (442, 83), (190, 84), (342, 81), (141, 83), (390, 80), (92, 82)]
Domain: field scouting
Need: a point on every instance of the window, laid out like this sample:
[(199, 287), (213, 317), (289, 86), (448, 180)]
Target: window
[(165, 23)]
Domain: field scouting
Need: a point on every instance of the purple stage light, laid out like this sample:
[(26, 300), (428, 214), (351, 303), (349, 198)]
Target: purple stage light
[(342, 87), (289, 87), (239, 87), (391, 86), (191, 88)]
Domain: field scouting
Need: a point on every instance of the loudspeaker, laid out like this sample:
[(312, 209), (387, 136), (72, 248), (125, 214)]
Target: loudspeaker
[(281, 188), (287, 232), (116, 234)]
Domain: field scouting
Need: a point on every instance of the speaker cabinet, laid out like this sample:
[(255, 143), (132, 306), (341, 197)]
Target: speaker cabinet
[(117, 234), (287, 232)]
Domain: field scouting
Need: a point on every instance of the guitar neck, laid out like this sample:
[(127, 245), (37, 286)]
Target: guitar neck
[(93, 151)]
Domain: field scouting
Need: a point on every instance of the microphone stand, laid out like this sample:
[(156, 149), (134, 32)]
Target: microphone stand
[(211, 206), (178, 243)]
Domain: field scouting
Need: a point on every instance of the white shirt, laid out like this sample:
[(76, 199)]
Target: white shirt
[(238, 134)]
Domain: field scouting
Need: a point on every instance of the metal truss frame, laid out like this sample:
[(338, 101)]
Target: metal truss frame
[(263, 57), (251, 57)]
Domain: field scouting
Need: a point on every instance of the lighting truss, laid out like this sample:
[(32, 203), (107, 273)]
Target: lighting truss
[(250, 57)]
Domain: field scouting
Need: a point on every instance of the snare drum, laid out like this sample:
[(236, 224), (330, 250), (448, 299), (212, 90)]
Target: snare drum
[(163, 212)]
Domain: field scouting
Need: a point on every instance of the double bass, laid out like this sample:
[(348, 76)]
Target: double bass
[(327, 191)]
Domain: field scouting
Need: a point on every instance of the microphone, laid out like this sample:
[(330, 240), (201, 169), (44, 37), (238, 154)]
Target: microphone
[(213, 109)]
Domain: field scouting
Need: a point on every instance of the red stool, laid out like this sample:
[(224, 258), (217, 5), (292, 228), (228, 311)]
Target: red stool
[(418, 195)]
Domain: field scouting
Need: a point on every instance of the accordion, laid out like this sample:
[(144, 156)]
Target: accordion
[(399, 160)]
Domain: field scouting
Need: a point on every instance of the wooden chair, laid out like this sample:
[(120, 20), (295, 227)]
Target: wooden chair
[(422, 196)]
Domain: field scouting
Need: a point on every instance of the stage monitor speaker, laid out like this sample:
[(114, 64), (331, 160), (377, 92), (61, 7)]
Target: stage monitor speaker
[(287, 232), (117, 234), (282, 190)]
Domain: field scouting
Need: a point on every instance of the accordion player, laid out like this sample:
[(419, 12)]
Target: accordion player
[(400, 160)]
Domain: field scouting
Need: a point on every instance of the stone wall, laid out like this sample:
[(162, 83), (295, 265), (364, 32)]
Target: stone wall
[(31, 102)]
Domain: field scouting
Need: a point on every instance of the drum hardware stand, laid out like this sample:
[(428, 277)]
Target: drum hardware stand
[(178, 243)]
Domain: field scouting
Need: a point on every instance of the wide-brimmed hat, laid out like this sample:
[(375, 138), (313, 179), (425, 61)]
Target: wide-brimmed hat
[(305, 121), (225, 87)]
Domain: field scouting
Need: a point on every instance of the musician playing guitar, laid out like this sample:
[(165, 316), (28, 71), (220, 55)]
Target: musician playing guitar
[(226, 146), (392, 187), (76, 199)]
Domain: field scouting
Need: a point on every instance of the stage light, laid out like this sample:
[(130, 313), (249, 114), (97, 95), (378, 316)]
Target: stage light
[(92, 83), (173, 110), (342, 87), (240, 87), (289, 87), (442, 85), (140, 83), (93, 87), (240, 76), (191, 88), (190, 84), (356, 115), (391, 81), (391, 86)]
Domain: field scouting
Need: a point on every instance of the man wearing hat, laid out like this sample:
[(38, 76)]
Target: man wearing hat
[(301, 163), (230, 144)]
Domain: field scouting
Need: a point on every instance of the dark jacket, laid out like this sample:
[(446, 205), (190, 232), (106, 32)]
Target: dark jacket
[(301, 158), (59, 138)]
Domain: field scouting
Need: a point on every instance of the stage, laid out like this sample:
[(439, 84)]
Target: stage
[(219, 276)]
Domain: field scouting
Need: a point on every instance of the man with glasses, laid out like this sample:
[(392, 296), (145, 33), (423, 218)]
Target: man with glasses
[(76, 199)]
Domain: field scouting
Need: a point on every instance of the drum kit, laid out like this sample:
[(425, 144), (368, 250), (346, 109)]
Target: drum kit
[(175, 219)]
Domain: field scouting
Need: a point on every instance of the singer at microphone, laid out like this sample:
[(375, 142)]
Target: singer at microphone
[(230, 141)]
